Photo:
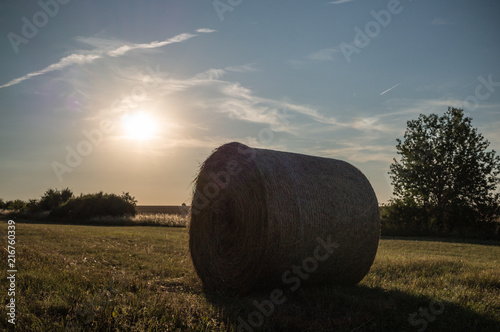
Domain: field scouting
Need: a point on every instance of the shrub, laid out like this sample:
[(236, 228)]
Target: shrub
[(54, 198), (404, 217), (93, 205), (15, 205), (33, 206), (128, 198)]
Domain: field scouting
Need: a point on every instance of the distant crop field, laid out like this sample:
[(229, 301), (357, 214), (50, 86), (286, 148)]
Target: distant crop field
[(86, 278), (161, 209)]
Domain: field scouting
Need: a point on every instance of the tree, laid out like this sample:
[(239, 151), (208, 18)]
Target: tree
[(54, 198), (128, 198), (16, 205), (446, 170), (33, 206)]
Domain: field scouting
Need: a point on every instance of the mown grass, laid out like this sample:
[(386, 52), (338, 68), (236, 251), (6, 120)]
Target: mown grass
[(83, 278)]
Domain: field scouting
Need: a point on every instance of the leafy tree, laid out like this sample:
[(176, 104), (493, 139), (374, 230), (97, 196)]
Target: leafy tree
[(446, 171), (128, 198), (33, 206), (2, 204), (16, 205), (54, 198)]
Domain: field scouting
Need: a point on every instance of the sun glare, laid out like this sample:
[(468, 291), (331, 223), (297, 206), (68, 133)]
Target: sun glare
[(139, 126)]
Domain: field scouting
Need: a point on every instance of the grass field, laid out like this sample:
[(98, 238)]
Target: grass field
[(79, 278)]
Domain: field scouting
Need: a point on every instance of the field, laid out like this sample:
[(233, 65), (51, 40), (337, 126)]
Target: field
[(79, 278), (162, 209)]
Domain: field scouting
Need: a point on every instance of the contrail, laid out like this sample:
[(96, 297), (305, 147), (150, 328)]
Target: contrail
[(87, 58), (390, 89)]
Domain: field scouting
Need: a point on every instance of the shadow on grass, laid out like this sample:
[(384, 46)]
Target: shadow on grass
[(347, 308)]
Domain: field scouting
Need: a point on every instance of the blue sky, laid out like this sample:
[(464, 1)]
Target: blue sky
[(134, 95)]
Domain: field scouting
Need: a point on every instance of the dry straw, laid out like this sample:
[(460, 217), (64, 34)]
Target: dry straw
[(257, 212)]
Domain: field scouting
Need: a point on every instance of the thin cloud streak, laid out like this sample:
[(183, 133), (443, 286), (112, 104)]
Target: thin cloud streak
[(390, 89), (241, 103), (247, 68), (126, 48), (64, 62), (206, 30), (88, 58), (339, 2), (325, 54), (360, 153), (440, 21)]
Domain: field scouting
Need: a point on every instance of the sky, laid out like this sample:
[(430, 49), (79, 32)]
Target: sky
[(132, 96)]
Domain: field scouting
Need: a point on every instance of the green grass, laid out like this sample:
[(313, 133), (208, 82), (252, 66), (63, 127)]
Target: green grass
[(80, 278)]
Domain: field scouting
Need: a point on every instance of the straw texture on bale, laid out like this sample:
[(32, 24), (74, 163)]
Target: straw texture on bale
[(256, 213)]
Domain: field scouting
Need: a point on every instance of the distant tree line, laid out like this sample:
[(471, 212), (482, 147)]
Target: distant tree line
[(445, 181), (63, 205)]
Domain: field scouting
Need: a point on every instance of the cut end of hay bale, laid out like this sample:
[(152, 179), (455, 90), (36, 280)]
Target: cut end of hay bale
[(259, 215)]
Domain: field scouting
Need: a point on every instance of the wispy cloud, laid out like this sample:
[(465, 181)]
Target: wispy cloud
[(229, 110), (338, 2), (205, 30), (440, 21), (359, 152), (208, 75), (296, 64), (390, 89), (127, 48), (64, 62), (442, 86), (88, 57), (241, 103), (101, 43), (247, 68), (325, 54)]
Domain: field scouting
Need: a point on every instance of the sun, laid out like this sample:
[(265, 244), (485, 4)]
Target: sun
[(139, 126)]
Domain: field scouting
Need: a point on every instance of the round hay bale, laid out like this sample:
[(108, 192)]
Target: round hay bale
[(263, 218)]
